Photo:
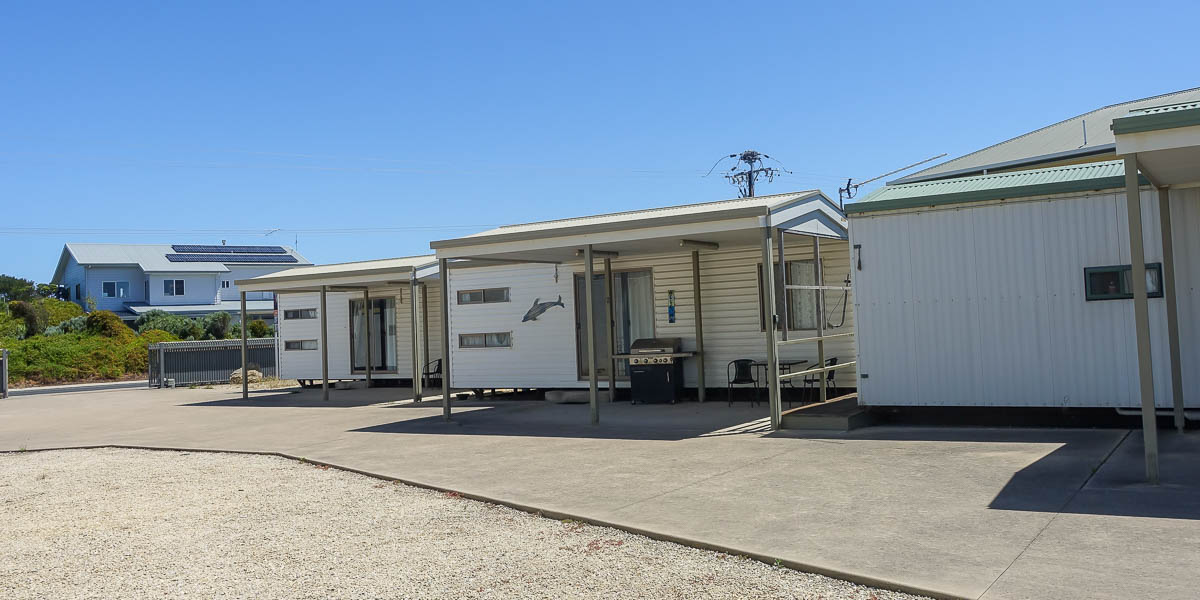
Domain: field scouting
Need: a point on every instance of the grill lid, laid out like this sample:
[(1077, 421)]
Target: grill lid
[(655, 346)]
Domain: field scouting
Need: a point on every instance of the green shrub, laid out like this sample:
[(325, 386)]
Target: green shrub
[(10, 326), (81, 356), (181, 327), (216, 325), (58, 311), (105, 323), (32, 313), (258, 328), (76, 325)]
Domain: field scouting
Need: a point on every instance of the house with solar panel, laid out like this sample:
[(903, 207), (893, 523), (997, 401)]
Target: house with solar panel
[(186, 279)]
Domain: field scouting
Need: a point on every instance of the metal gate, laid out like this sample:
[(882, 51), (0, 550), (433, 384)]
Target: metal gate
[(209, 361)]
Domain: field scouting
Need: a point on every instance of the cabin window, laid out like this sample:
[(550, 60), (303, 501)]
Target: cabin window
[(172, 287), (300, 345), (224, 284), (1116, 282), (501, 339), (483, 296), (78, 296), (115, 289), (802, 304), (300, 313)]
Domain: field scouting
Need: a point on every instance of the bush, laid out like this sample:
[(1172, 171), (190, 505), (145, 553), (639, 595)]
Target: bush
[(76, 325), (181, 327), (215, 325), (258, 328), (10, 326), (32, 313), (58, 311), (106, 324), (81, 356)]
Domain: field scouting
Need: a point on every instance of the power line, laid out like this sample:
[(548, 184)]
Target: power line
[(746, 178)]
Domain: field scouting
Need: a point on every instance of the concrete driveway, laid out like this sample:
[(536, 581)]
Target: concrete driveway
[(962, 512)]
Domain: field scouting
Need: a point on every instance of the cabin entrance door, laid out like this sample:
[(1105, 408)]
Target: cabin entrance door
[(633, 311)]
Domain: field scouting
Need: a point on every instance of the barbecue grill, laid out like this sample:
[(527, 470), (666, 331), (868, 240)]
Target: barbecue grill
[(656, 370)]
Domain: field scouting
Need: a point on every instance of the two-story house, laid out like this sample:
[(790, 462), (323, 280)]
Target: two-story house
[(186, 279)]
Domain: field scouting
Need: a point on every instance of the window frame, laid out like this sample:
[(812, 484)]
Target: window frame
[(177, 288), (225, 284), (116, 289), (762, 304), (485, 346), (300, 314), (313, 345), (1087, 288), (483, 295)]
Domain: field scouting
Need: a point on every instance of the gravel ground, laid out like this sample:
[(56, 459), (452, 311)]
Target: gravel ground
[(146, 524)]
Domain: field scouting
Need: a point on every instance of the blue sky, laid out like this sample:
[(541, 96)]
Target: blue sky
[(196, 122)]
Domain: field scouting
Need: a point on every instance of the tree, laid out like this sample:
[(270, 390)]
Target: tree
[(216, 325), (32, 313), (15, 288), (258, 328), (180, 327)]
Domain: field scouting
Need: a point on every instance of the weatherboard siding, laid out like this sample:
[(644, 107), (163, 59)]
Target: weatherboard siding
[(544, 351), (94, 286), (306, 364), (985, 305)]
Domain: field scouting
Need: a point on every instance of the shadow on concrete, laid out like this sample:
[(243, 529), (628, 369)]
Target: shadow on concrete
[(1090, 471), (618, 420), (307, 398)]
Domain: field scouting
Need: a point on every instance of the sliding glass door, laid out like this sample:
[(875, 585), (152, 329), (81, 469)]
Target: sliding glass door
[(633, 311), (383, 335)]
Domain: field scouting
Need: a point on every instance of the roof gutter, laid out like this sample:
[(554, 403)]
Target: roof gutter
[(1020, 162), (1024, 191)]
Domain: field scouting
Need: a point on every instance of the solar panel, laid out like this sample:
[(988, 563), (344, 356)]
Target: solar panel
[(233, 258), (199, 248)]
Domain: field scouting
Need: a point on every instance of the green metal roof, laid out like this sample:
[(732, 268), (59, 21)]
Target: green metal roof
[(1154, 118), (979, 188)]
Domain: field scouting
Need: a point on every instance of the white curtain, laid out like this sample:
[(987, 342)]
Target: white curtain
[(802, 305)]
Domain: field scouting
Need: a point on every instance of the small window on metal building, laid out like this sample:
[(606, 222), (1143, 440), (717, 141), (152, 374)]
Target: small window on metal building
[(300, 345), (300, 313), (484, 296), (501, 339), (1115, 282)]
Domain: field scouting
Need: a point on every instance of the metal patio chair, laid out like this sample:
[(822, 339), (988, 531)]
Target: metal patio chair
[(741, 372), (814, 379)]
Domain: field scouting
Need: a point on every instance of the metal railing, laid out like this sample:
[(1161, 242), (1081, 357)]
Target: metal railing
[(209, 361), (3, 373)]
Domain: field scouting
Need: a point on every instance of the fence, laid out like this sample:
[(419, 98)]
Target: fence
[(3, 374), (210, 361)]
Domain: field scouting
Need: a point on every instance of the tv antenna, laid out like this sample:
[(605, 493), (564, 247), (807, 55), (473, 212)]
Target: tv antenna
[(851, 188), (753, 170)]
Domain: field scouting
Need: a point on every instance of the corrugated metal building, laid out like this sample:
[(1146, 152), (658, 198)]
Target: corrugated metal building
[(1020, 288)]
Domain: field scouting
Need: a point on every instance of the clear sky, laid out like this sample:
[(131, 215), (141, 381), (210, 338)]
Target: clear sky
[(163, 122)]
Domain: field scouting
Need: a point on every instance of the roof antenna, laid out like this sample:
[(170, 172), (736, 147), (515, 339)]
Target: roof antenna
[(851, 188)]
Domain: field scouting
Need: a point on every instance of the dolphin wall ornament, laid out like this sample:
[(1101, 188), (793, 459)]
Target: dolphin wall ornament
[(540, 307)]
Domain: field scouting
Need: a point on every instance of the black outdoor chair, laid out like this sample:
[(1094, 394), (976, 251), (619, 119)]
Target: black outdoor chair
[(812, 380), (740, 372), (432, 368)]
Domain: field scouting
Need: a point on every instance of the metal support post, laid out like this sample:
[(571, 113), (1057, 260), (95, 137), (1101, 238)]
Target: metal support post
[(324, 344), (412, 337), (444, 271), (1141, 317), (1168, 286), (698, 306), (770, 319), (611, 328), (245, 353), (588, 273), (783, 276), (819, 279), (367, 329)]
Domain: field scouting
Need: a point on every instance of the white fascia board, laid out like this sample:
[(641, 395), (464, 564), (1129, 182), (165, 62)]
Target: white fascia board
[(682, 231), (1161, 139)]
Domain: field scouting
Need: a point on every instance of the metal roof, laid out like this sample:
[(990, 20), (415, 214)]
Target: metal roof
[(152, 258), (651, 217), (1170, 116), (229, 306), (382, 268), (1014, 184), (1059, 141)]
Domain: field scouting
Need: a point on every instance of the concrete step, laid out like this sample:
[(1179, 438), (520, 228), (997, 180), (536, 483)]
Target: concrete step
[(839, 414)]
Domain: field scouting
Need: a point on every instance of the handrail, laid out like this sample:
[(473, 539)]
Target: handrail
[(818, 370), (813, 339)]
